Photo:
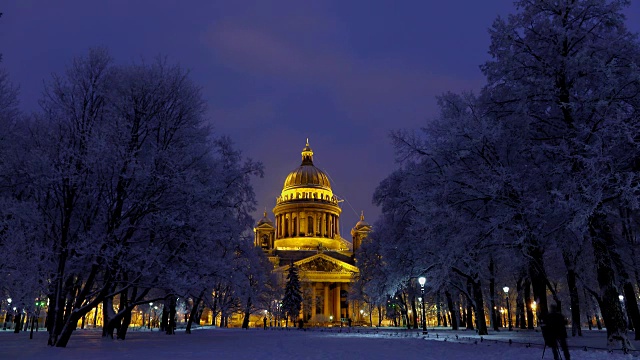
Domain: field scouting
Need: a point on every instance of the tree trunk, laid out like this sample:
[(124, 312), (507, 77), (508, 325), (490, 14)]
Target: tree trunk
[(130, 303), (469, 312), (122, 305), (463, 314), (538, 280), (108, 315), (58, 309), (438, 310), (453, 310), (520, 311), (573, 295), (194, 312), (34, 319), (631, 304), (164, 318), (444, 318), (172, 315), (70, 325), (413, 309), (493, 311), (214, 313), (575, 303), (380, 315), (247, 313), (602, 242), (17, 321), (586, 307), (479, 308), (630, 299), (124, 325), (528, 303)]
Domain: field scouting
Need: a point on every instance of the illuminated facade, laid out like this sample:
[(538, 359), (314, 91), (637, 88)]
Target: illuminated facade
[(306, 232)]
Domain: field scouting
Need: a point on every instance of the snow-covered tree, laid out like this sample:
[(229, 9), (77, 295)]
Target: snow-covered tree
[(135, 191), (292, 300), (537, 170), (569, 69)]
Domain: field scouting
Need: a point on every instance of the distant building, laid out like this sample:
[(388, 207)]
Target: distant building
[(306, 232)]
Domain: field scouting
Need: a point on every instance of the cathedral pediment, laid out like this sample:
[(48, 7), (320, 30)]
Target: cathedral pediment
[(322, 263)]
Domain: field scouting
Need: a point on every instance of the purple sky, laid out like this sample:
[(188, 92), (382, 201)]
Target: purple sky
[(342, 73)]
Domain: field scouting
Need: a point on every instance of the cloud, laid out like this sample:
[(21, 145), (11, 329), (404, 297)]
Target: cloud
[(371, 90)]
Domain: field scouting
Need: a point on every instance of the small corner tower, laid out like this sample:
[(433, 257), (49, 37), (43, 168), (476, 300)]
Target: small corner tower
[(264, 233), (360, 232)]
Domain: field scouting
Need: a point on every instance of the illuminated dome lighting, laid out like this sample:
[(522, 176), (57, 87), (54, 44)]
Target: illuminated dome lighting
[(307, 175)]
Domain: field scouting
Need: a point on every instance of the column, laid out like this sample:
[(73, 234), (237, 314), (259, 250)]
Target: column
[(321, 224), (337, 225), (326, 300), (290, 224), (313, 301), (326, 225), (332, 224), (279, 225), (335, 231), (338, 314), (303, 223)]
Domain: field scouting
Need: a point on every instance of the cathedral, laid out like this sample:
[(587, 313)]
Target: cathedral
[(306, 232)]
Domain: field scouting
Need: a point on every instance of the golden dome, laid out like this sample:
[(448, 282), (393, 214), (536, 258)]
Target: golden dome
[(307, 175)]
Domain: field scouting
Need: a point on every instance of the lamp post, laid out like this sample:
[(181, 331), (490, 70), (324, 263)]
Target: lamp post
[(149, 324), (506, 291), (624, 311), (535, 315), (6, 313), (155, 315), (422, 280)]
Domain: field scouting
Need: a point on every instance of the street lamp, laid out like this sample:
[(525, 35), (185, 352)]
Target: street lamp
[(155, 314), (422, 280), (149, 324), (6, 313), (624, 310), (535, 314), (4, 326), (506, 291)]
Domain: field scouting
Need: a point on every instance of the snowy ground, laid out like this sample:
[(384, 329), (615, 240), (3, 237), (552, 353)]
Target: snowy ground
[(281, 344)]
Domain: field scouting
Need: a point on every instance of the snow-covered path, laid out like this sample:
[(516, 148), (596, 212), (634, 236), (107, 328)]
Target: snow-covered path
[(291, 344)]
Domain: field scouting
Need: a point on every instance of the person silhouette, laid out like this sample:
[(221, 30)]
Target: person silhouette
[(264, 320), (554, 332)]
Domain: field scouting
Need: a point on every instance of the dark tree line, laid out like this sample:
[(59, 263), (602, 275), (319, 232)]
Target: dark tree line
[(532, 183)]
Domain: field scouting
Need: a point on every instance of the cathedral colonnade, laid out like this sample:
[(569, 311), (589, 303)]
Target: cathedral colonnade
[(307, 223), (328, 302)]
